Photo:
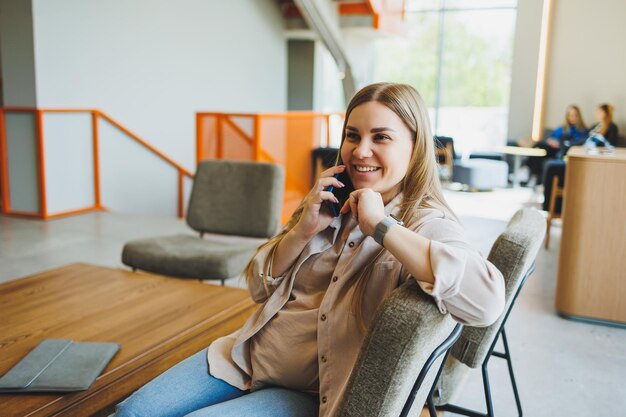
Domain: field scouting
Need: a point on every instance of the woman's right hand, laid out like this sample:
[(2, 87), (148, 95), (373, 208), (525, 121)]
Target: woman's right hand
[(553, 143), (313, 219)]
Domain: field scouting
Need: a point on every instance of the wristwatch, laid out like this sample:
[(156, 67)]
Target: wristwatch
[(383, 227)]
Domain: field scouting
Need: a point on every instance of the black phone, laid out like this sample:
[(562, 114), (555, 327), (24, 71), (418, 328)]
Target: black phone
[(342, 194)]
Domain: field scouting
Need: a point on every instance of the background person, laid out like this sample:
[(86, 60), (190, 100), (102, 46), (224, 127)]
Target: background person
[(572, 132), (605, 126)]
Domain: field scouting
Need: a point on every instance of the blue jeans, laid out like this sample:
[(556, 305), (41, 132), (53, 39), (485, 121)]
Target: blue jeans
[(187, 389)]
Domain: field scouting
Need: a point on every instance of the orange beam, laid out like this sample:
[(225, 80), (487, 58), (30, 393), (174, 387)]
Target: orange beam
[(145, 144), (4, 164), (199, 130), (257, 138), (220, 137), (327, 120), (68, 110), (226, 114), (41, 164), (289, 114), (96, 158), (356, 8), (239, 130), (181, 202), (72, 212)]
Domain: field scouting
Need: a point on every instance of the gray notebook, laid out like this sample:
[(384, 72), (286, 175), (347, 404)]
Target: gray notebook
[(59, 365)]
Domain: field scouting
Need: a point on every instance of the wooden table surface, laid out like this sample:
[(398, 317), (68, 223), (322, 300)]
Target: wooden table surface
[(158, 322), (521, 151)]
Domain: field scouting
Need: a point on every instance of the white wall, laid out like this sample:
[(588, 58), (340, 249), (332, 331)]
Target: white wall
[(151, 64), (587, 59), (68, 147)]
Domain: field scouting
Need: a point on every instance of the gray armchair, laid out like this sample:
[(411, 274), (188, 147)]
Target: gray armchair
[(228, 198), (408, 328)]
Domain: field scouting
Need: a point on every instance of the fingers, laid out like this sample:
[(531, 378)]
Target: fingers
[(326, 182), (346, 207), (353, 201), (332, 171), (326, 196)]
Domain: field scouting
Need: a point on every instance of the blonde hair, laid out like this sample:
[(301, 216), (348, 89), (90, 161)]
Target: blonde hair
[(580, 125), (420, 186)]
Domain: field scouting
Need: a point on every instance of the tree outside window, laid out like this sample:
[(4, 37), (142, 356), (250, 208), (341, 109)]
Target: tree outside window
[(458, 55)]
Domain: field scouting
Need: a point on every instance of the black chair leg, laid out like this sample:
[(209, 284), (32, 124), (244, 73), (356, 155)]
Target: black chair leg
[(487, 389), (511, 374)]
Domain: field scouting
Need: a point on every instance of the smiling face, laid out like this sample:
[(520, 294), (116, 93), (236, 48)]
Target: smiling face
[(377, 149)]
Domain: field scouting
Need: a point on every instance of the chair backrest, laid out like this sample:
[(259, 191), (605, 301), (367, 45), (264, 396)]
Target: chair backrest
[(513, 253), (407, 328), (445, 142), (236, 198)]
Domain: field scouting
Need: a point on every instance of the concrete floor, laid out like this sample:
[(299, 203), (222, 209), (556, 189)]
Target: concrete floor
[(563, 368)]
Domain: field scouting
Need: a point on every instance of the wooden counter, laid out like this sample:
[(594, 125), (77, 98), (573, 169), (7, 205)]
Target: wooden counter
[(592, 260)]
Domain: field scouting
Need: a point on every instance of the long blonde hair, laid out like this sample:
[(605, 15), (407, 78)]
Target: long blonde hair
[(580, 125), (420, 186)]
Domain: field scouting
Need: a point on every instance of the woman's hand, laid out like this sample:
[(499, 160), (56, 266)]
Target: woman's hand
[(553, 143), (314, 219), (368, 208)]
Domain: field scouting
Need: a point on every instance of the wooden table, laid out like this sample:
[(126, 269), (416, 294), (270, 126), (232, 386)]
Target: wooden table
[(518, 152), (592, 279), (157, 321)]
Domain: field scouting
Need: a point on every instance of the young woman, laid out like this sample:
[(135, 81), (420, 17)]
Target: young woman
[(605, 126), (573, 129), (320, 280), (572, 132)]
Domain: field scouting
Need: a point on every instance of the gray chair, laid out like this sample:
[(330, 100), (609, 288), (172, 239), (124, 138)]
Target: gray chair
[(396, 368), (228, 198), (386, 379), (513, 254)]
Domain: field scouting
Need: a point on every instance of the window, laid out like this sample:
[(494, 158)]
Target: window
[(458, 54)]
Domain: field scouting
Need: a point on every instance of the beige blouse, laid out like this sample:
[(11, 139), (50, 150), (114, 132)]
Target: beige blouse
[(304, 334)]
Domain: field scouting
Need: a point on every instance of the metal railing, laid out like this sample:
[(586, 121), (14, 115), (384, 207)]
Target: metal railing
[(283, 138), (40, 156)]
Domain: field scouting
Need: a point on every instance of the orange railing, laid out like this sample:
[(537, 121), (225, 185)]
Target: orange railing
[(283, 138), (40, 160)]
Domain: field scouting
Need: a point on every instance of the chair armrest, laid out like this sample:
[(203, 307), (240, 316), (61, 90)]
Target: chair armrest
[(406, 329)]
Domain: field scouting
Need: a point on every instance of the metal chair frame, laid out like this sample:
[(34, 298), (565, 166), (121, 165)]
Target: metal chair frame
[(442, 349), (455, 409)]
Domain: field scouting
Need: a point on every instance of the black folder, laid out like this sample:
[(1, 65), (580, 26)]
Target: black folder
[(59, 365)]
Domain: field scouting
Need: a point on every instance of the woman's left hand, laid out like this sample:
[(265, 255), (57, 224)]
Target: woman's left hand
[(368, 208)]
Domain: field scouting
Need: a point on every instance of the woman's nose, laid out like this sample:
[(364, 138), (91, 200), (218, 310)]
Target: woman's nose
[(363, 150)]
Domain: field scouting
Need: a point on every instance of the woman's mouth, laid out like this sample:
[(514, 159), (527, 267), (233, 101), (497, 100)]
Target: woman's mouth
[(365, 168)]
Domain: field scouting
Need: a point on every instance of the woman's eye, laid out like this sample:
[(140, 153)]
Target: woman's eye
[(352, 136), (381, 137)]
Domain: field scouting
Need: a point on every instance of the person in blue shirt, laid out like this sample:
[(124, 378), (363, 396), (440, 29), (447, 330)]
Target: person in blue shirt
[(572, 132), (573, 129)]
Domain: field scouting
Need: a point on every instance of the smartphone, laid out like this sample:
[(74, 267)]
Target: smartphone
[(342, 194)]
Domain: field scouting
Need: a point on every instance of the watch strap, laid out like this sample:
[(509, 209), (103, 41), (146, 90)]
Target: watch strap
[(383, 227)]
